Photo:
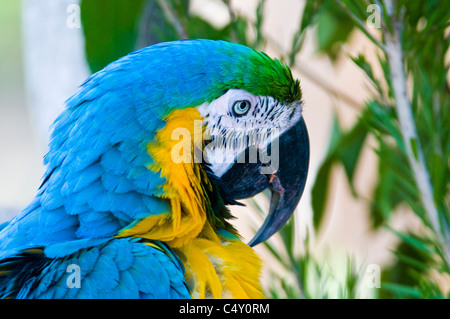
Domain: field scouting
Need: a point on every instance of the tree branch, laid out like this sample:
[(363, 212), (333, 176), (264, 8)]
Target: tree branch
[(408, 129), (173, 19)]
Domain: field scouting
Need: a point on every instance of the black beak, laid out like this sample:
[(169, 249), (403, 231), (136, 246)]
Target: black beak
[(245, 180)]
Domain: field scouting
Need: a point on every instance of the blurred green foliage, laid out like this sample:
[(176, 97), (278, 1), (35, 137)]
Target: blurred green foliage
[(114, 28), (110, 29), (11, 52), (423, 35)]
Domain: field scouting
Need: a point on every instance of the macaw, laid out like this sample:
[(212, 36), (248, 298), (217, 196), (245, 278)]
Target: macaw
[(133, 202)]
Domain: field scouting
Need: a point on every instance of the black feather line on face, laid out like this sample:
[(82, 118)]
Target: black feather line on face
[(216, 181), (218, 214)]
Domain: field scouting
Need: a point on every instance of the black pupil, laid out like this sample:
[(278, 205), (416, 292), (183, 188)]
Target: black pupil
[(243, 105)]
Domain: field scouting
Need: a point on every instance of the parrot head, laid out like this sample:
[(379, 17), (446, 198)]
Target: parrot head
[(109, 151), (248, 122), (255, 143)]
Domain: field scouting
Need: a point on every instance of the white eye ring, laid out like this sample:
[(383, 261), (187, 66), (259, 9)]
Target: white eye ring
[(241, 107)]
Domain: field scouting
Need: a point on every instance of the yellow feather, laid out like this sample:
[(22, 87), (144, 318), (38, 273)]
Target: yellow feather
[(183, 187), (235, 264)]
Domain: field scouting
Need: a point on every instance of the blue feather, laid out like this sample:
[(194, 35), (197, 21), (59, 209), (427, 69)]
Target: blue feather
[(76, 182), (116, 268), (68, 248)]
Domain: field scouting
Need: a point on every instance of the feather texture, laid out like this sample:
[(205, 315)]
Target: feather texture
[(112, 199), (114, 268)]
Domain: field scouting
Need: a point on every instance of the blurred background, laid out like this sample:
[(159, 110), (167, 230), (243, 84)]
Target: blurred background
[(361, 229)]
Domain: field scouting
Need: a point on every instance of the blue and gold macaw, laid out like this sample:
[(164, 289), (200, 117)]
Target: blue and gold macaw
[(130, 207)]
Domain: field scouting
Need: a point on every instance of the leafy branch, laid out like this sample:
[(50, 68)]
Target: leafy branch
[(393, 49), (393, 114)]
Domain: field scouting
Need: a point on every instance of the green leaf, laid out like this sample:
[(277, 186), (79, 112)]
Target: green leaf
[(430, 290), (412, 262), (240, 30), (200, 29), (360, 60), (110, 28), (417, 243), (345, 148), (402, 291), (333, 29), (319, 192), (287, 234), (386, 197), (413, 143), (277, 255), (411, 265), (259, 41), (309, 15), (349, 149)]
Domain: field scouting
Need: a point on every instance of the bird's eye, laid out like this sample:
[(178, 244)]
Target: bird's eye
[(241, 107)]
